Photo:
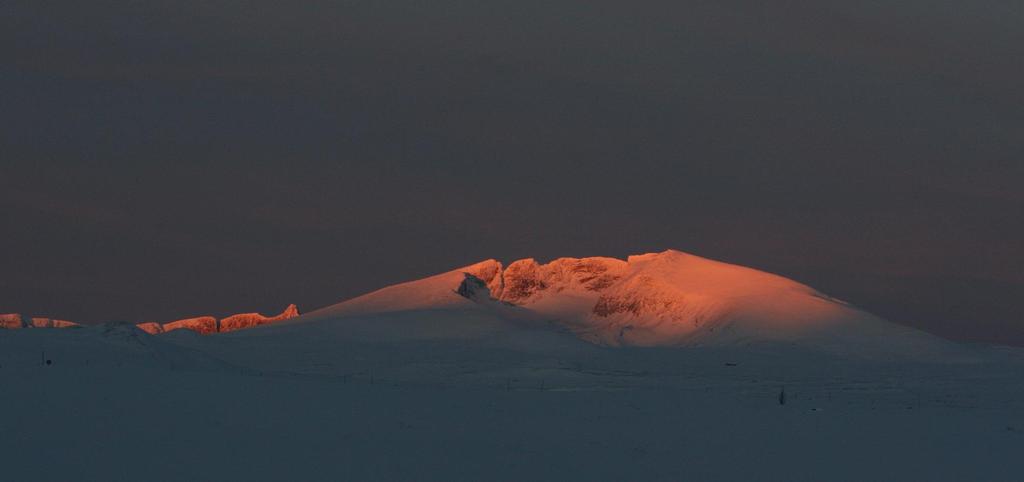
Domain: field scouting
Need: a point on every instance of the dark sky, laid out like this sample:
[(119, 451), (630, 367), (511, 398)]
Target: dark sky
[(160, 158)]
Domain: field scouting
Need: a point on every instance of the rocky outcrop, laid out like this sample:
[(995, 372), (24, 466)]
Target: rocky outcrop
[(50, 323), (526, 280), (249, 320), (203, 325), (474, 288), (13, 321), (490, 274), (522, 279), (206, 325)]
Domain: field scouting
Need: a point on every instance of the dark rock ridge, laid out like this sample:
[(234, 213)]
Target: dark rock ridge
[(473, 288)]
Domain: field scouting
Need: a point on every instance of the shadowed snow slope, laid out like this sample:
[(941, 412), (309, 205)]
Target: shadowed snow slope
[(106, 345), (660, 299)]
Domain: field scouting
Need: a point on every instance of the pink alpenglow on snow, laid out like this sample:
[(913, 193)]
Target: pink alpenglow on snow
[(657, 299), (206, 325), (203, 325), (13, 321), (248, 320), (50, 323)]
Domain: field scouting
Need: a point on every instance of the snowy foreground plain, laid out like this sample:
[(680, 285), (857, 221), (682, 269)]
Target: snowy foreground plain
[(453, 391), (118, 404)]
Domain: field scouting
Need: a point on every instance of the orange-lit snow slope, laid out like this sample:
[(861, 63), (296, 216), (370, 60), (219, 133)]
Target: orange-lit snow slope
[(207, 324), (660, 299)]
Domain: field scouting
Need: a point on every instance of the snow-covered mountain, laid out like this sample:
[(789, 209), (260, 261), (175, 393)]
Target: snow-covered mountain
[(488, 364), (659, 299), (666, 299)]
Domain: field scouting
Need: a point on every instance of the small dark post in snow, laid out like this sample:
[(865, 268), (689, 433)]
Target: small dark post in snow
[(782, 396)]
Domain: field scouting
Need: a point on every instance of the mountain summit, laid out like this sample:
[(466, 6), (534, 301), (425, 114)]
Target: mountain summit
[(669, 298)]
